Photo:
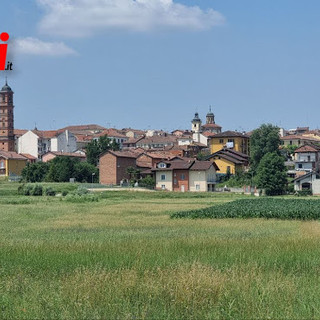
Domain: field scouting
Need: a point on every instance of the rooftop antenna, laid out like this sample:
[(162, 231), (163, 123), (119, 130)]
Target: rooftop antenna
[(6, 80)]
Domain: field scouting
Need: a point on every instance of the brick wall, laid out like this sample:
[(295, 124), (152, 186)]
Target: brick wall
[(108, 169), (178, 182), (112, 169), (122, 165)]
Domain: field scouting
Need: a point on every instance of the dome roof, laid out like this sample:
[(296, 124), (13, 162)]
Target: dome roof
[(6, 88), (196, 117), (210, 113)]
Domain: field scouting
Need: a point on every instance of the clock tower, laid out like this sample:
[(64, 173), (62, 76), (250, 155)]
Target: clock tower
[(6, 119)]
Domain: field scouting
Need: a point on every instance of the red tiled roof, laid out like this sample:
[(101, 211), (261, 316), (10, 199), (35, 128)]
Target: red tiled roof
[(28, 156), (211, 125), (19, 132), (111, 133), (45, 134), (67, 154), (201, 165), (299, 137), (231, 134), (307, 148), (85, 127), (12, 155)]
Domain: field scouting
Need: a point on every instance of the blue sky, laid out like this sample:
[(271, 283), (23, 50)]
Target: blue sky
[(153, 63)]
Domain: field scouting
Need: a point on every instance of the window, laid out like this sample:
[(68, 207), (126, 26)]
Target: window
[(163, 186), (300, 165), (2, 164), (163, 177), (162, 165), (309, 158), (182, 176), (221, 141), (175, 181), (198, 187), (231, 140)]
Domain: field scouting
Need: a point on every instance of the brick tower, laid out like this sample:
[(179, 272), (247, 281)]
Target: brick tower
[(6, 119)]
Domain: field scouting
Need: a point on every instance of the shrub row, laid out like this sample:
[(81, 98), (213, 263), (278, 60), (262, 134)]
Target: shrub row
[(37, 189), (269, 208)]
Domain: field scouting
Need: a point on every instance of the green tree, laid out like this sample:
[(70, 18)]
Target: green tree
[(84, 171), (35, 172), (271, 174), (133, 174), (61, 169), (98, 146), (263, 140)]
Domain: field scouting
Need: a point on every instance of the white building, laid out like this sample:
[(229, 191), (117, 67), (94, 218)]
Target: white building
[(37, 143), (309, 181)]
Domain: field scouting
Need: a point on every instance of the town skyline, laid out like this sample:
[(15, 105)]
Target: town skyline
[(252, 63)]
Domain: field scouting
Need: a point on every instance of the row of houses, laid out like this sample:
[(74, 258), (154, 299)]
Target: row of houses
[(172, 173)]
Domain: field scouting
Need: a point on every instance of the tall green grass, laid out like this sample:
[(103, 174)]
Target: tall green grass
[(124, 258)]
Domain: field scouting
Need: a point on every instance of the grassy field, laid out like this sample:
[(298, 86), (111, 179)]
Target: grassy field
[(124, 258)]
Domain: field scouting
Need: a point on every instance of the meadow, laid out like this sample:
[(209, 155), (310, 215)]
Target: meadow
[(123, 257)]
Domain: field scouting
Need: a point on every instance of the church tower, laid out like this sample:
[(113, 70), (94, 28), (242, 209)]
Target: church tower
[(6, 119), (196, 123), (196, 127), (210, 117)]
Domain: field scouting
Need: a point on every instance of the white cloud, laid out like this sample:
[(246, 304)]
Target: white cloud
[(80, 18), (34, 46)]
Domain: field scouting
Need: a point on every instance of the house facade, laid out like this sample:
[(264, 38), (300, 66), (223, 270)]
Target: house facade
[(306, 158), (37, 143), (229, 161), (185, 175), (113, 166), (232, 140), (11, 163), (308, 181)]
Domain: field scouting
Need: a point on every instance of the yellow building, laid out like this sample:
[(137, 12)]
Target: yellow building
[(230, 139), (229, 161), (11, 163)]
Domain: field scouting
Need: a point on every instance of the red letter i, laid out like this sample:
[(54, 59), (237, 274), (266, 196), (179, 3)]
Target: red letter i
[(3, 50)]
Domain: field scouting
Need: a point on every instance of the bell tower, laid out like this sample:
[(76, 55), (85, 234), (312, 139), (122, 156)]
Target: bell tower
[(6, 119), (196, 123), (210, 117)]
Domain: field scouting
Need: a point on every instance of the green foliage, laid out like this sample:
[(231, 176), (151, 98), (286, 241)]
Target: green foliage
[(270, 208), (30, 189), (97, 147), (147, 182), (84, 171), (80, 191), (289, 150), (61, 169), (263, 140), (133, 174), (271, 174), (49, 191), (304, 193), (82, 198), (239, 180), (37, 190), (35, 172)]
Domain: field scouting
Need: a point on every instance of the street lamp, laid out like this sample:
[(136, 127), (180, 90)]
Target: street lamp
[(93, 174)]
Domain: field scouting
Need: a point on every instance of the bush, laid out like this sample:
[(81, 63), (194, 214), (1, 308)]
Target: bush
[(270, 208), (80, 191), (37, 190), (49, 191), (75, 198), (304, 193), (65, 192)]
